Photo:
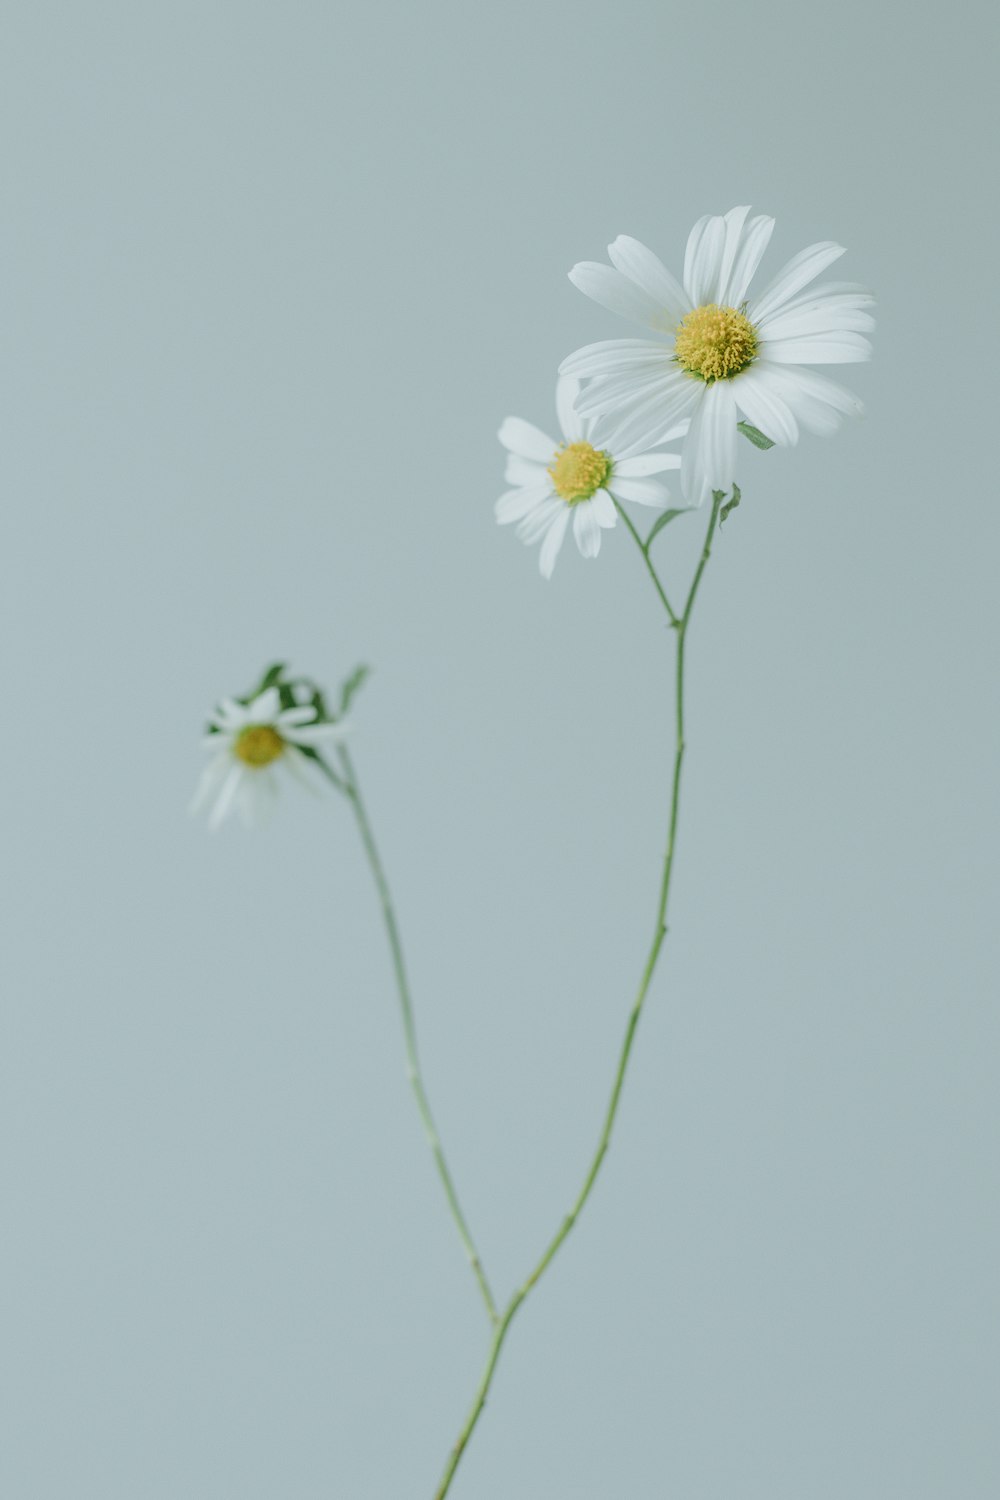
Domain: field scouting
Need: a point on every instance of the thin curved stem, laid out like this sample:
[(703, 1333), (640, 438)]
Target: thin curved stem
[(348, 784), (680, 624), (644, 549)]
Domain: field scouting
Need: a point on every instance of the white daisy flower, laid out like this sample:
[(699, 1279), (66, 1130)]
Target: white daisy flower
[(251, 740), (720, 353), (554, 481)]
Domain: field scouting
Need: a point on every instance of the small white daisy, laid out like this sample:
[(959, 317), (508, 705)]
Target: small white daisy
[(249, 742), (720, 353), (554, 481)]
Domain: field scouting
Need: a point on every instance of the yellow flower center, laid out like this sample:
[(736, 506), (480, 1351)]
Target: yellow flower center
[(578, 470), (715, 343), (258, 745)]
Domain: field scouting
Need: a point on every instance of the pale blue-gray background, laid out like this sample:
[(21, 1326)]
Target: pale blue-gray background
[(271, 276)]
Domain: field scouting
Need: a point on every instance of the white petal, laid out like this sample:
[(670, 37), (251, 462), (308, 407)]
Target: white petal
[(818, 403), (703, 259), (219, 739), (764, 406), (678, 430), (537, 523), (264, 708), (604, 510), (733, 223), (640, 491), (846, 294), (617, 293), (229, 715), (612, 356), (813, 415), (755, 241), (525, 473), (649, 273), (553, 541), (824, 349), (210, 780), (627, 451), (224, 800), (708, 461), (807, 321), (586, 530), (647, 422), (527, 441), (694, 240), (517, 504), (608, 391), (303, 715), (794, 275), (646, 463), (567, 390), (824, 389)]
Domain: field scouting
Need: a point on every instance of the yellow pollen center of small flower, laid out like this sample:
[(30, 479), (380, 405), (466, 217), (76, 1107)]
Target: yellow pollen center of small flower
[(715, 343), (578, 470), (258, 745)]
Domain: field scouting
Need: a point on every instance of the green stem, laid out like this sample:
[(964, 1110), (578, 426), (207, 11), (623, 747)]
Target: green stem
[(644, 549), (348, 784), (680, 624)]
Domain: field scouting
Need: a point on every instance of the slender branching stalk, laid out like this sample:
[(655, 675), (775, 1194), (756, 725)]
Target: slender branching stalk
[(680, 625), (347, 782), (644, 549)]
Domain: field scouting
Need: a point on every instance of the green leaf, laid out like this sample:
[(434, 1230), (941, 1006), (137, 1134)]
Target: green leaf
[(270, 678), (731, 504), (351, 686), (664, 519), (754, 434)]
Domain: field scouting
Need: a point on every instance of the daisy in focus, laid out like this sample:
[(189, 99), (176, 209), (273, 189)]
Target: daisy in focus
[(721, 352), (250, 741), (554, 482)]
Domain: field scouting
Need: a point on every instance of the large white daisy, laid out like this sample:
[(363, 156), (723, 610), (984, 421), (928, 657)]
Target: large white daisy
[(720, 352), (554, 481), (248, 743)]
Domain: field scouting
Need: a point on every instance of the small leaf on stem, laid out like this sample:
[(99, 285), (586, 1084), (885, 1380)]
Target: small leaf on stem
[(351, 686), (270, 677), (663, 519), (754, 434), (730, 504)]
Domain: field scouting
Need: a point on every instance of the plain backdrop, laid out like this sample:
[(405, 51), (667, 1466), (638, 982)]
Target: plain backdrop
[(272, 274)]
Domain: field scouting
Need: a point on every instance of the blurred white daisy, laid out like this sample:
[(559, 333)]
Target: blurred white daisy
[(553, 481), (720, 352), (249, 742)]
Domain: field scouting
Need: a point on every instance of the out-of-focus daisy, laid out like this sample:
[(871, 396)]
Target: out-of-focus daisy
[(720, 352), (553, 482), (249, 743)]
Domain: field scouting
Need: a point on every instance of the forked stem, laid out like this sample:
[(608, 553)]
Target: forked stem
[(680, 625), (347, 782)]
